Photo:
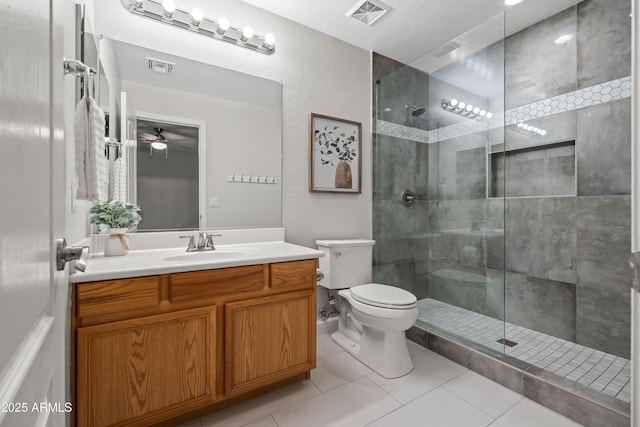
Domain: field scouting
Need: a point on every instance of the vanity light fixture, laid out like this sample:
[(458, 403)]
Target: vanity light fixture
[(511, 2), (469, 111), (196, 16), (195, 21), (169, 7), (526, 129)]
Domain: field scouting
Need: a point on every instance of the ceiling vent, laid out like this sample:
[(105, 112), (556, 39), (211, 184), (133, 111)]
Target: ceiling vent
[(160, 66), (446, 48), (368, 11)]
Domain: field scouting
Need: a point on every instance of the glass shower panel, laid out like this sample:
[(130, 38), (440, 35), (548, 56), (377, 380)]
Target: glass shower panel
[(439, 134)]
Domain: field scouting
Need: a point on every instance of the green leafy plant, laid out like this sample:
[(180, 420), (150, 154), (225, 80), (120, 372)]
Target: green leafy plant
[(115, 214), (335, 145)]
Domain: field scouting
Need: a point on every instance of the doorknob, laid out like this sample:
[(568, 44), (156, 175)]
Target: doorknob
[(65, 253)]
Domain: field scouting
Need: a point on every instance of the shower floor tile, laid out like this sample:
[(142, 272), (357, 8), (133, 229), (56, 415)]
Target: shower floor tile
[(595, 369)]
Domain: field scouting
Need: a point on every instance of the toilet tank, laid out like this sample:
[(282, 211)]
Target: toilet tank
[(345, 263)]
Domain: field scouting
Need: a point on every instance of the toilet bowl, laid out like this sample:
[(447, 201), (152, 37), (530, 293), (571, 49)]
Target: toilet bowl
[(373, 317)]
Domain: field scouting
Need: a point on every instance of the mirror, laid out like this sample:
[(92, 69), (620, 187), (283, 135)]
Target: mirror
[(201, 142)]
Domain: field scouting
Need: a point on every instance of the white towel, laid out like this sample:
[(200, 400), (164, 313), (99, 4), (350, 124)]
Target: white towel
[(92, 167), (120, 177)]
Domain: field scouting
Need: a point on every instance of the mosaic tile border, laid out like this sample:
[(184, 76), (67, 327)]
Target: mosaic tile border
[(597, 94)]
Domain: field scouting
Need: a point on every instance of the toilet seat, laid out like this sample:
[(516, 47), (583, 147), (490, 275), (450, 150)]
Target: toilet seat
[(383, 296)]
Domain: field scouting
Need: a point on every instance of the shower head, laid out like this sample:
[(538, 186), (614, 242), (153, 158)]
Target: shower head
[(417, 111)]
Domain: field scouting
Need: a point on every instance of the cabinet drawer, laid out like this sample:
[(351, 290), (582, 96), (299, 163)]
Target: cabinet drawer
[(200, 285), (294, 274), (111, 296)]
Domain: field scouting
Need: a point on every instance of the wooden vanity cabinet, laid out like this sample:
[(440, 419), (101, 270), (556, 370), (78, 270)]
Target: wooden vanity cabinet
[(154, 349)]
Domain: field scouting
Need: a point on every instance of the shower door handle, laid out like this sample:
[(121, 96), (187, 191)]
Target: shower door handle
[(633, 268)]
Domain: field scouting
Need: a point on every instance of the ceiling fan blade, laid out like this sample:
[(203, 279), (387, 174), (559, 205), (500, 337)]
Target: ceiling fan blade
[(147, 137)]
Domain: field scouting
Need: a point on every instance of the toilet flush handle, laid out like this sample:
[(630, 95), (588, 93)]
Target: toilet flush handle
[(338, 254)]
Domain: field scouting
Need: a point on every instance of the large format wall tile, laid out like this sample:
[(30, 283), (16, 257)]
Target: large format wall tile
[(536, 67), (604, 41), (476, 289), (604, 241), (401, 275), (395, 167), (603, 147), (542, 305), (404, 86), (541, 238), (603, 319)]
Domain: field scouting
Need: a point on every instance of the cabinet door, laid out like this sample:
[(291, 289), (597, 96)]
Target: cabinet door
[(267, 339), (141, 367)]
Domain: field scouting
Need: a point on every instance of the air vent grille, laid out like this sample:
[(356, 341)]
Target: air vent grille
[(368, 11)]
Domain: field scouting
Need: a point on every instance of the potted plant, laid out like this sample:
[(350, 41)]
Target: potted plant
[(119, 217)]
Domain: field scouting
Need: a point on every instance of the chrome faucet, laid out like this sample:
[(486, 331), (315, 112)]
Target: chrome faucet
[(205, 242)]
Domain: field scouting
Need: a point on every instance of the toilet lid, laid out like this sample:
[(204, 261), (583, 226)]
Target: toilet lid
[(383, 296)]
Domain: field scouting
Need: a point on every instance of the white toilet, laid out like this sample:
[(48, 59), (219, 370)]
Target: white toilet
[(373, 317)]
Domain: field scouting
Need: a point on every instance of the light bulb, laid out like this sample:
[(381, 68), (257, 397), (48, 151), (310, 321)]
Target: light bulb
[(520, 125), (483, 113), (489, 115), (269, 39), (543, 133), (469, 107), (511, 2), (169, 7), (247, 32), (159, 145), (462, 105), (454, 102), (476, 110), (223, 24), (196, 16)]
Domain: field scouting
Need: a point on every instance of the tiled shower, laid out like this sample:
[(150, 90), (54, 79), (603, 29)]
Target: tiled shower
[(522, 222)]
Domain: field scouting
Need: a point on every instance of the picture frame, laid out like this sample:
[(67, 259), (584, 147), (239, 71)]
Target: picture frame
[(335, 155)]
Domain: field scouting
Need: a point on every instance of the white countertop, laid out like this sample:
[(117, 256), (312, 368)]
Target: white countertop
[(175, 260)]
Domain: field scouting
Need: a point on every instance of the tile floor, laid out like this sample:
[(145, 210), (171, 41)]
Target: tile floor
[(343, 392), (606, 373)]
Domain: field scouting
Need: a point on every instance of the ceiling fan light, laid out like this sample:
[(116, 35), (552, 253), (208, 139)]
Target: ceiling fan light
[(159, 145)]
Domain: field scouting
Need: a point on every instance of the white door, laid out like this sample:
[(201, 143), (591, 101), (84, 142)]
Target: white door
[(33, 296)]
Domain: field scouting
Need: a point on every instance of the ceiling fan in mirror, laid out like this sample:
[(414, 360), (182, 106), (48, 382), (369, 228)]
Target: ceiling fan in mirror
[(157, 141)]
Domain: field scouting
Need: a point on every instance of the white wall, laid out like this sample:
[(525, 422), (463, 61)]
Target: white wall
[(240, 138), (319, 73)]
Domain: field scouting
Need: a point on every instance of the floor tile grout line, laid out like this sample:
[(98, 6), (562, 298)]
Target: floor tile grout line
[(594, 366), (614, 377), (467, 402)]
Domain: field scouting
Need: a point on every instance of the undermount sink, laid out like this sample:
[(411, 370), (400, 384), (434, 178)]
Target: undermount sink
[(205, 256)]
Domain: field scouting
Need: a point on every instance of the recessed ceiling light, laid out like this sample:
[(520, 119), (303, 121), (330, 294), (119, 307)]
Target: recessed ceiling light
[(511, 2), (564, 39)]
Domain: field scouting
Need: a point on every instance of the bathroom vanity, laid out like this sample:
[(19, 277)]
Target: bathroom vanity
[(206, 331)]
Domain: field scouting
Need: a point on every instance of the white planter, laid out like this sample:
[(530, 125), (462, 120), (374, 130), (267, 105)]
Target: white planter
[(117, 243)]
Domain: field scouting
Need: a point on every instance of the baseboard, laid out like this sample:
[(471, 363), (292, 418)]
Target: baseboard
[(328, 326)]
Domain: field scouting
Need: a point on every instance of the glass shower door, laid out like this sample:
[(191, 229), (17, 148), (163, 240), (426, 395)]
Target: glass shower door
[(440, 134)]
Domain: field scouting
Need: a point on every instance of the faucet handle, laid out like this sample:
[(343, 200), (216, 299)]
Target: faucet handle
[(192, 242), (209, 240)]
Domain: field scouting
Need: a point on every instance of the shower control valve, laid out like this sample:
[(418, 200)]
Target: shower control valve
[(332, 299)]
